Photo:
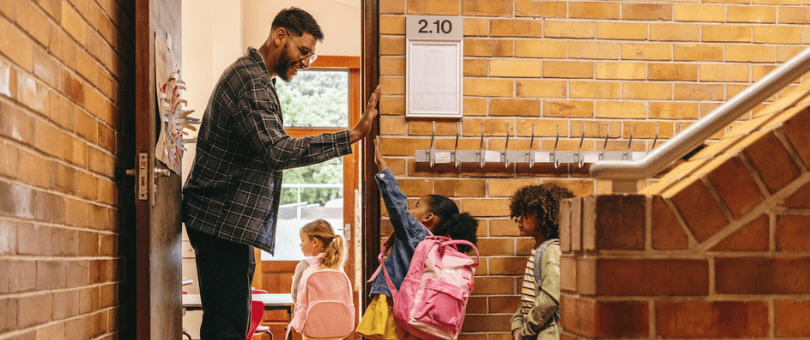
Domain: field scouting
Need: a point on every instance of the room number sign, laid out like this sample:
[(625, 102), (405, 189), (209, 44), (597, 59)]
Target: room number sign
[(434, 57), (442, 26)]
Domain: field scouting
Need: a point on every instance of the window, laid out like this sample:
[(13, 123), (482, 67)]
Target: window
[(316, 99), (320, 99)]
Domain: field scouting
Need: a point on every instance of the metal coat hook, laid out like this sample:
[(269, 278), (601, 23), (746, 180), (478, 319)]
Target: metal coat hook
[(554, 157), (530, 153), (629, 144), (481, 147), (505, 146), (656, 137), (580, 159), (455, 149), (604, 146), (431, 153)]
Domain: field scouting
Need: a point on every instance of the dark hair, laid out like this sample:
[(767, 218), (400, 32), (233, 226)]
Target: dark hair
[(543, 200), (297, 21), (458, 226)]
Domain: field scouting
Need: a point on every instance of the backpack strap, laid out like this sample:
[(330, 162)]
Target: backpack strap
[(299, 314), (385, 246), (388, 281), (538, 260), (445, 241), (538, 271)]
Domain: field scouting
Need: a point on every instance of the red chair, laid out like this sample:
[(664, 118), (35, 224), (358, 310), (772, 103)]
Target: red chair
[(256, 314), (256, 311)]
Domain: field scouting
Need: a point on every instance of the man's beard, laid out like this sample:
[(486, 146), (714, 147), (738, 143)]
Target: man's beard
[(283, 64)]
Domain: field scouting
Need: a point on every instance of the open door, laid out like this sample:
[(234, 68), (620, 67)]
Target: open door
[(157, 204)]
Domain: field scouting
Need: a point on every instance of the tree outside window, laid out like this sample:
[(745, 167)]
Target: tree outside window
[(315, 99)]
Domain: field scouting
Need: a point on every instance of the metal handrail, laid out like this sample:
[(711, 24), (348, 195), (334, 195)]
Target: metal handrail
[(626, 174)]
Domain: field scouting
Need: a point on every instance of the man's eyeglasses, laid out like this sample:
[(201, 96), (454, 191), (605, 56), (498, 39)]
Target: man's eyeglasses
[(304, 52)]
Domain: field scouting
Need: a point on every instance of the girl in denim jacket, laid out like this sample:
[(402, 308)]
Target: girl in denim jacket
[(432, 214)]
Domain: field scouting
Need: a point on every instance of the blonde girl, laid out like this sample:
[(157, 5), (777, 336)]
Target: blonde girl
[(318, 240)]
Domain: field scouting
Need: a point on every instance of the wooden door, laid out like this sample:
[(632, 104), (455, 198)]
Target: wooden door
[(158, 235)]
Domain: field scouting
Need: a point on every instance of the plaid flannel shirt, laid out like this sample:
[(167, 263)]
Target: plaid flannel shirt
[(234, 185)]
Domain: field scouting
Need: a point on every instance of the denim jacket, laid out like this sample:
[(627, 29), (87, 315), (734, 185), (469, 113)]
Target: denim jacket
[(409, 232)]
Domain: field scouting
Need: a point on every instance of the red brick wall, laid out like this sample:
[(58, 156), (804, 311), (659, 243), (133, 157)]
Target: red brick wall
[(583, 65), (620, 279), (63, 66), (716, 248)]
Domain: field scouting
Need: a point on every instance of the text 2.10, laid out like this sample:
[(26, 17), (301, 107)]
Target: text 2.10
[(442, 26)]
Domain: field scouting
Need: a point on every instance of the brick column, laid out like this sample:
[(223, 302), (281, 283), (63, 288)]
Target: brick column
[(631, 270)]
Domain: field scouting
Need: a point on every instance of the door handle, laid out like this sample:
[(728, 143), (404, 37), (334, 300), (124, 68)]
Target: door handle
[(158, 173), (142, 176), (120, 173), (163, 172)]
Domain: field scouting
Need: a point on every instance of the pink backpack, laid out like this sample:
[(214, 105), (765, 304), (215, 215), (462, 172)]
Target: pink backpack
[(324, 307), (431, 302)]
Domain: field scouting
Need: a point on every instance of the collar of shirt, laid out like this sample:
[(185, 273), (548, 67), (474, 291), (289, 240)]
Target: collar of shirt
[(259, 59)]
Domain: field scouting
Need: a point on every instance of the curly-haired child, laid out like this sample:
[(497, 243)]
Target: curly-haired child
[(536, 210)]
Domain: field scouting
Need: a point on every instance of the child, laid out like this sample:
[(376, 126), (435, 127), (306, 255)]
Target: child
[(535, 209), (319, 241), (321, 290), (432, 213)]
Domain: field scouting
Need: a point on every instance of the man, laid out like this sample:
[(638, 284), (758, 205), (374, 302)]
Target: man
[(231, 196)]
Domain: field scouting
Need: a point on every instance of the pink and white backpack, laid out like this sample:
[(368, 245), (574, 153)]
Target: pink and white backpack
[(324, 307), (432, 299)]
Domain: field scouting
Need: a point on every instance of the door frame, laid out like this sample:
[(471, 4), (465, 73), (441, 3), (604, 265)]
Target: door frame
[(370, 194)]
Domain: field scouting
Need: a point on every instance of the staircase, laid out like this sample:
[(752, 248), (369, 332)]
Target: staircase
[(718, 247)]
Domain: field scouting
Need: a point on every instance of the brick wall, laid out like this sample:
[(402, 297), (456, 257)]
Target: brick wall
[(583, 65), (717, 248), (63, 66)]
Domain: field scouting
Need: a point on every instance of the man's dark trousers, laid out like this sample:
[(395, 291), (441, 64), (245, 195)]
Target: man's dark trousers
[(225, 272)]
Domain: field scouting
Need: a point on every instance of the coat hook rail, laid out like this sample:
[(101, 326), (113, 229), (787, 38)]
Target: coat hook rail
[(554, 157)]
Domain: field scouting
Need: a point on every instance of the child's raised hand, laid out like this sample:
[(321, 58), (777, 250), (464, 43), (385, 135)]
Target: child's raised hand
[(378, 157)]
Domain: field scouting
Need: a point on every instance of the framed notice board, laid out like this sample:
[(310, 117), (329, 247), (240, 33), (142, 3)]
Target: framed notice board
[(434, 57)]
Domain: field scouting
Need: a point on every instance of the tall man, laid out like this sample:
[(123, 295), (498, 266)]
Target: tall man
[(231, 196)]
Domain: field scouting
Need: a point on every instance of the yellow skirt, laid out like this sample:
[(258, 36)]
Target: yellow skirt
[(378, 321)]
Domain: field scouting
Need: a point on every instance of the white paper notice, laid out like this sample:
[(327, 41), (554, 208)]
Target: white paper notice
[(433, 77)]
